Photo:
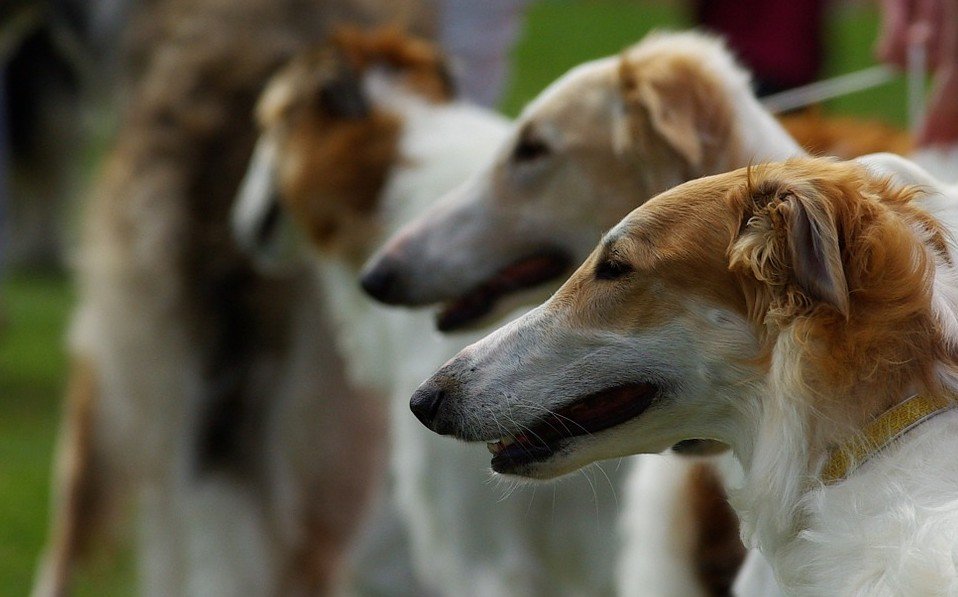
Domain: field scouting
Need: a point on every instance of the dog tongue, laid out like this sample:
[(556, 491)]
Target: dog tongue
[(480, 301)]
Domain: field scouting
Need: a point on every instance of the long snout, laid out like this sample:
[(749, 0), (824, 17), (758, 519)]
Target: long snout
[(440, 255), (473, 396), (386, 278), (427, 403)]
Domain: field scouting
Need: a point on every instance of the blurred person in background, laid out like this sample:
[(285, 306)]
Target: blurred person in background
[(480, 36), (781, 42), (934, 24)]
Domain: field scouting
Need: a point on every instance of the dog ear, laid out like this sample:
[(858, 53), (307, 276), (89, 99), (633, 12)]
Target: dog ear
[(681, 104), (816, 253), (674, 117), (790, 242)]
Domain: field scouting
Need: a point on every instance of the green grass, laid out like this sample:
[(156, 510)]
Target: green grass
[(32, 363), (558, 35), (850, 40), (561, 34)]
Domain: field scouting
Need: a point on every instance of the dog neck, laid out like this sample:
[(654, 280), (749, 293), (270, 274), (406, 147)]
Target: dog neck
[(818, 536), (758, 135)]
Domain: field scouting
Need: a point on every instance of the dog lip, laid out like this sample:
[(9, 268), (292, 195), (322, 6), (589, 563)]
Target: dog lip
[(586, 415), (514, 461), (527, 272)]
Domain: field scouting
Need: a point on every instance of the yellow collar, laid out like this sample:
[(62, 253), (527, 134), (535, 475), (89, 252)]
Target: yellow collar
[(880, 432)]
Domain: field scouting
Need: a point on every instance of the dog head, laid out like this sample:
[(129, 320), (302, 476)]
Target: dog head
[(328, 142), (794, 280), (599, 141)]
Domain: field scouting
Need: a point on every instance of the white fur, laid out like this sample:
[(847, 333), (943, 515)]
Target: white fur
[(658, 533), (889, 529), (756, 577)]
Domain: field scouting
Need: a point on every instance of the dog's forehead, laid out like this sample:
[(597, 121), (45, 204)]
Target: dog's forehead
[(582, 90), (699, 201)]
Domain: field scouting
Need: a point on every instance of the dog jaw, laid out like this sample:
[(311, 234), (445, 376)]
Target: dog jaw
[(564, 365)]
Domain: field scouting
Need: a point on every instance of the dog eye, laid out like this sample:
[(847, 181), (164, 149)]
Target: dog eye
[(529, 149), (611, 269)]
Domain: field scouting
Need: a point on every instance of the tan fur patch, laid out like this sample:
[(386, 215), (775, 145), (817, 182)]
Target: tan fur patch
[(421, 63), (336, 174), (670, 96), (333, 164), (79, 497), (845, 138), (887, 341)]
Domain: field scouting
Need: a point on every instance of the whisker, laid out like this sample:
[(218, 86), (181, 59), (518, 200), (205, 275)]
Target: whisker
[(595, 496), (525, 429), (558, 416), (615, 498)]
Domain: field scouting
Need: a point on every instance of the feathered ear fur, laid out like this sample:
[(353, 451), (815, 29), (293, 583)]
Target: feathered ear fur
[(815, 252), (679, 102), (791, 242)]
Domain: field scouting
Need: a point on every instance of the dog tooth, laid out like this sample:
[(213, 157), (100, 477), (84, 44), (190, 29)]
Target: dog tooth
[(495, 447)]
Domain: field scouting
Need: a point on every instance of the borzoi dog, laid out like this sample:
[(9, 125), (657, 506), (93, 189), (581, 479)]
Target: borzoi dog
[(345, 184), (804, 313)]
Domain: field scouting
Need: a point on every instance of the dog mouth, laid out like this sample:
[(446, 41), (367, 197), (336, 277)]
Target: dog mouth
[(587, 415), (522, 274)]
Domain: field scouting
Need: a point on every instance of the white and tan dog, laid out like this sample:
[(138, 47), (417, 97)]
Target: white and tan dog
[(345, 184), (804, 313)]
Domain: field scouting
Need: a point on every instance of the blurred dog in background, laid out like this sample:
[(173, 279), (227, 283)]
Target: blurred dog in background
[(188, 364)]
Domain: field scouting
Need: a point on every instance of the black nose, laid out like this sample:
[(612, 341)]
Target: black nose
[(381, 282), (425, 404)]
